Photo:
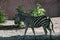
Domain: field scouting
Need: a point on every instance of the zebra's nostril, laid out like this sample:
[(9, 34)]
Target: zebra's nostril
[(15, 22)]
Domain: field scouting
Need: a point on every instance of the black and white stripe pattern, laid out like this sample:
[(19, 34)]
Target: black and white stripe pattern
[(39, 21)]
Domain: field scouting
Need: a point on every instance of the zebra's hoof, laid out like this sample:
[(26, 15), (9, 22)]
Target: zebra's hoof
[(35, 38), (23, 38)]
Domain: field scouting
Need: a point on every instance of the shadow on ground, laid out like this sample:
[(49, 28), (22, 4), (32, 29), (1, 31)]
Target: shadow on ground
[(10, 28), (30, 37)]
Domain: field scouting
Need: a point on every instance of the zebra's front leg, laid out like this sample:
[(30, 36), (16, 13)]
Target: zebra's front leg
[(26, 28), (33, 32)]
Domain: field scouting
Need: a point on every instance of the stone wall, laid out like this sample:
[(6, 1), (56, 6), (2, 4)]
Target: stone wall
[(52, 7)]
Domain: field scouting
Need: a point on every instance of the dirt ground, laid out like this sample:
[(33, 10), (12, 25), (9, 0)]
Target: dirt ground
[(17, 34)]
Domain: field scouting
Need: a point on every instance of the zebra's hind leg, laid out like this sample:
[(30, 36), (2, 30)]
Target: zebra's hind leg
[(45, 30), (33, 32), (50, 30)]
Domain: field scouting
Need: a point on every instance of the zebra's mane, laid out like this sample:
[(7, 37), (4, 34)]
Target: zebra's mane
[(24, 16)]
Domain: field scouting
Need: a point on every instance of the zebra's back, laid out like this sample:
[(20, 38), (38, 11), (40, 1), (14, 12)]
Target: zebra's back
[(38, 21)]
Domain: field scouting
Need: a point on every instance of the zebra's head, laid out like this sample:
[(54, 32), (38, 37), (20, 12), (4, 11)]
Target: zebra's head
[(19, 17)]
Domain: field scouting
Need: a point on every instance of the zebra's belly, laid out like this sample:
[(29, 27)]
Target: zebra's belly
[(36, 26)]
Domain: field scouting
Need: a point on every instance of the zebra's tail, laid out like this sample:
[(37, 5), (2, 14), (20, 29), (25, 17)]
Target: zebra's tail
[(52, 26)]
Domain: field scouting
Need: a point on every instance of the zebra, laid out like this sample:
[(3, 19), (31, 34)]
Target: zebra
[(39, 21)]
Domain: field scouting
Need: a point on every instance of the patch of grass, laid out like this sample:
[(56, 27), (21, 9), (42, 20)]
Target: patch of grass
[(37, 11), (2, 17)]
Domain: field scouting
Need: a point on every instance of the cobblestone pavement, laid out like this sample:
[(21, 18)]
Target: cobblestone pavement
[(18, 34)]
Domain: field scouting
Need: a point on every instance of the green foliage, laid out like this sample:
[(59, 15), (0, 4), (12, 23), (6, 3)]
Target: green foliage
[(37, 11), (21, 24), (2, 17), (20, 8)]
